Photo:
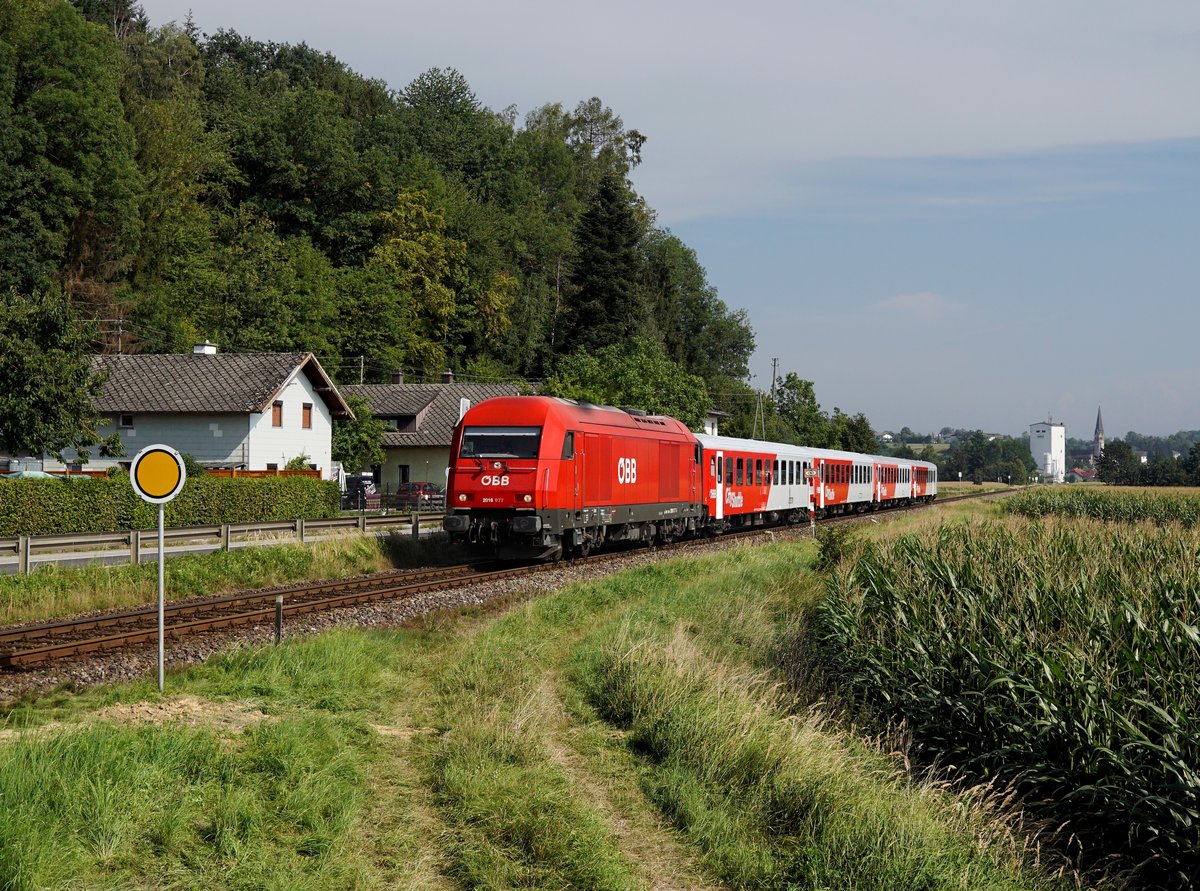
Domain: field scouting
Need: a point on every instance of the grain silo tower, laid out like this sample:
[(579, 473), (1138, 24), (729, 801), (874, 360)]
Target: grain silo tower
[(1048, 443)]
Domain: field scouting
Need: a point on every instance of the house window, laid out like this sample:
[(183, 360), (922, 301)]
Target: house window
[(306, 416), (126, 422), (277, 414)]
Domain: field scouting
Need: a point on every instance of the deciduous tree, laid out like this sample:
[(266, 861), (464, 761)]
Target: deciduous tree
[(46, 380), (635, 374)]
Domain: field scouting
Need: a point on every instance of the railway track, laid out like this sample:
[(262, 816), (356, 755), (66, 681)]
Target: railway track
[(30, 645)]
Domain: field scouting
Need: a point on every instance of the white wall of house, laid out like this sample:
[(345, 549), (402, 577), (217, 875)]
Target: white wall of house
[(218, 437), (268, 444), (250, 440)]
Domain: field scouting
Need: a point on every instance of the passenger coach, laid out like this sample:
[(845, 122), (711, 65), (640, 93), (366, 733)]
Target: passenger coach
[(537, 476), (748, 482)]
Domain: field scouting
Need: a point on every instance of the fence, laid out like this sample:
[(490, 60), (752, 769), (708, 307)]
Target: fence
[(111, 546)]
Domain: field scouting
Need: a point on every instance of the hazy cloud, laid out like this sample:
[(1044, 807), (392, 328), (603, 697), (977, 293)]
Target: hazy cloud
[(924, 305)]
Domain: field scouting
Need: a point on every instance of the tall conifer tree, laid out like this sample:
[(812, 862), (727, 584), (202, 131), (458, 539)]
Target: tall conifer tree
[(608, 307)]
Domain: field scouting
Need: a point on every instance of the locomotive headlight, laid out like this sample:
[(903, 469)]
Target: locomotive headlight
[(528, 498), (462, 496)]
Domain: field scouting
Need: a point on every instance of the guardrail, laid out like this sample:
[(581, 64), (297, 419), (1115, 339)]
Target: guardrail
[(73, 546)]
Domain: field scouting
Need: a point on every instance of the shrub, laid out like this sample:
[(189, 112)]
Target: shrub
[(47, 507)]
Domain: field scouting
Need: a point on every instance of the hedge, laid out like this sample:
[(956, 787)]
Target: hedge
[(47, 507)]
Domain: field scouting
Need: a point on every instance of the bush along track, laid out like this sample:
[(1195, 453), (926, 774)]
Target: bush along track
[(1059, 659)]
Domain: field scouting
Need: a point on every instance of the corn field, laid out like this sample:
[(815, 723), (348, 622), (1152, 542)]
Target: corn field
[(1119, 505), (1060, 660)]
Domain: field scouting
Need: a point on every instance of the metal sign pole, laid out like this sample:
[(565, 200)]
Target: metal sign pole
[(157, 475), (161, 597)]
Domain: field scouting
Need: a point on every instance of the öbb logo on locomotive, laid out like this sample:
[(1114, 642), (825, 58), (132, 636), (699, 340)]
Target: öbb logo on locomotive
[(532, 477), (626, 470)]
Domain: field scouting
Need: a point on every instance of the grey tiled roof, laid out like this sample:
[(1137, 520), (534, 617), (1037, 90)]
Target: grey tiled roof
[(235, 383), (391, 400), (436, 404)]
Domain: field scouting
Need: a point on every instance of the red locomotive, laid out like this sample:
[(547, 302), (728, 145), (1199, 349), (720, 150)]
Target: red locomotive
[(537, 476), (540, 477)]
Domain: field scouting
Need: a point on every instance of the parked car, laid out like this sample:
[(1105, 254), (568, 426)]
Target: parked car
[(422, 496)]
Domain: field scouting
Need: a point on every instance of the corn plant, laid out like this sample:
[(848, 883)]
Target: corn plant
[(1123, 506), (1059, 659)]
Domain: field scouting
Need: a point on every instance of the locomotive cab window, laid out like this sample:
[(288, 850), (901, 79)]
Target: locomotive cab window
[(501, 442), (568, 446)]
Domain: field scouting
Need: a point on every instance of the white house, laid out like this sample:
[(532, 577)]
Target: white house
[(250, 411)]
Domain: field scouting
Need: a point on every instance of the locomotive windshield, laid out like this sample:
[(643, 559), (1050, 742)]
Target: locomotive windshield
[(501, 442)]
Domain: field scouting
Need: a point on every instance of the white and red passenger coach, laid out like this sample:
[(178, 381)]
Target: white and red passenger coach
[(537, 476)]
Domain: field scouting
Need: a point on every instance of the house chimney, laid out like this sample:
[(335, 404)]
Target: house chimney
[(398, 376), (447, 376), (205, 349)]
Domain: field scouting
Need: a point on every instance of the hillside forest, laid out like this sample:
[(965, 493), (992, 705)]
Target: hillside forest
[(159, 187)]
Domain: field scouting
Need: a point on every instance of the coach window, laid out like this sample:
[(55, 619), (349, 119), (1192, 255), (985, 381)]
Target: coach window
[(775, 470), (758, 477), (739, 471), (729, 470)]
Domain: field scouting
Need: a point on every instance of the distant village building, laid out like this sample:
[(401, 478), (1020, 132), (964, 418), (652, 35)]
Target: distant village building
[(1048, 445), (1098, 439)]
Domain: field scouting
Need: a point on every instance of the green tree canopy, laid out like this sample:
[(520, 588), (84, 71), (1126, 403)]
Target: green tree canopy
[(1118, 465), (358, 443), (607, 306), (632, 375), (46, 380)]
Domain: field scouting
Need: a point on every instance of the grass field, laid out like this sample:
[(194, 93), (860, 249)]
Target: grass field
[(630, 732)]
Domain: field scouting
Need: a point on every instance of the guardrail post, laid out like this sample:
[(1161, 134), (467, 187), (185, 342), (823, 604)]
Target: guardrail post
[(300, 529), (23, 554), (362, 522), (416, 525), (225, 536), (135, 546)]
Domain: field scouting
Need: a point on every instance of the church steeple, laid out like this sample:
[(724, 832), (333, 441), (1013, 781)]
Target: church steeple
[(1098, 439)]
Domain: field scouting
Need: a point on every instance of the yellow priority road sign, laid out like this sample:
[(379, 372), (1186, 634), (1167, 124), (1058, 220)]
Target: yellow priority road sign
[(157, 473)]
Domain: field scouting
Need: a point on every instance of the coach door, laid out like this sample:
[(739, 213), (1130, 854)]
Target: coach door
[(719, 480)]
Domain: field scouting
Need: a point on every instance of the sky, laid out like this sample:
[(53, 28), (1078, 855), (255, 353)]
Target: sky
[(943, 213)]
